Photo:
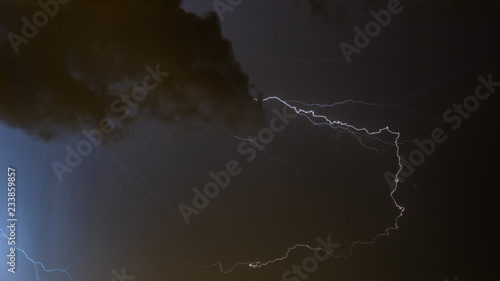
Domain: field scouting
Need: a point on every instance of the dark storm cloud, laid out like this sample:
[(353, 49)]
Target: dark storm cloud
[(90, 52)]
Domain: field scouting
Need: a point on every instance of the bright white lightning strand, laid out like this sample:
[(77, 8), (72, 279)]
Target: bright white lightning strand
[(37, 264), (308, 114)]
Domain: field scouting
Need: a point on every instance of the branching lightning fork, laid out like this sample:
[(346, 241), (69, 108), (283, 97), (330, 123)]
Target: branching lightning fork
[(312, 116), (37, 264)]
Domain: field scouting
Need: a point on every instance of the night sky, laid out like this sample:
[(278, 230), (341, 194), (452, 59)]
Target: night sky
[(249, 140)]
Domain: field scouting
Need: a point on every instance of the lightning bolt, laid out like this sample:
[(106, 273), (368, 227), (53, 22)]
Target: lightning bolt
[(41, 265), (338, 125), (258, 263), (322, 120), (379, 104)]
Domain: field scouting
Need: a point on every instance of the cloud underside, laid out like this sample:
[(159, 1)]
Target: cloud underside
[(90, 53)]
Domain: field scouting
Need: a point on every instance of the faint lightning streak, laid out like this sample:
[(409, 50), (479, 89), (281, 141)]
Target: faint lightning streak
[(35, 263), (308, 114), (142, 178), (121, 187), (254, 141), (378, 103)]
